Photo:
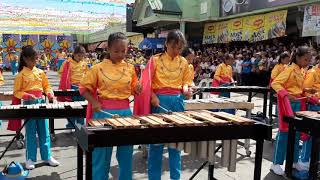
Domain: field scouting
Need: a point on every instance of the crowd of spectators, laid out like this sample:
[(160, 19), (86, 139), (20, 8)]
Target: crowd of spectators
[(253, 63)]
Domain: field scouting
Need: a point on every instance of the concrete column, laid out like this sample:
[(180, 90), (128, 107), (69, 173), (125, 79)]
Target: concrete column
[(183, 27)]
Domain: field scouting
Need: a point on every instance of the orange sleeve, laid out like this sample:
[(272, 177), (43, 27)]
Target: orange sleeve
[(90, 80), (45, 84), (134, 81), (17, 87), (217, 74), (280, 80)]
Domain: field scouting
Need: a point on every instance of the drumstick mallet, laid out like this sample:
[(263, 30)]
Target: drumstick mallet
[(167, 111), (110, 114)]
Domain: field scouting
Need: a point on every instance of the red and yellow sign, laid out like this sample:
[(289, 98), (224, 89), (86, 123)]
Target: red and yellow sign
[(252, 28)]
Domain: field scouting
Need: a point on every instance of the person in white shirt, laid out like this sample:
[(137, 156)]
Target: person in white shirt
[(213, 68), (238, 68)]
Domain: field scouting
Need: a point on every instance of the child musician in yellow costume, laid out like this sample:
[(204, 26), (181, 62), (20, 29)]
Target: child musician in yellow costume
[(289, 87), (29, 85), (72, 71), (164, 87), (116, 81), (312, 82)]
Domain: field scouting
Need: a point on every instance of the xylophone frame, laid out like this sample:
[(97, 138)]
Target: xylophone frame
[(88, 140)]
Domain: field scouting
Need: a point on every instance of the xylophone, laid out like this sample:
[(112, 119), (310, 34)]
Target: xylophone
[(248, 89), (41, 111), (217, 103), (7, 95), (38, 111), (305, 122), (189, 126)]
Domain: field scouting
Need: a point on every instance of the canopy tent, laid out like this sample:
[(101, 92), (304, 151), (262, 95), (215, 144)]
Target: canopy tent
[(60, 16), (152, 43)]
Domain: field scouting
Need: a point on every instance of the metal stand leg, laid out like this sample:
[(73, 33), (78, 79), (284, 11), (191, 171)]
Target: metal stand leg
[(51, 128), (290, 150), (258, 159), (204, 164), (249, 96), (270, 108), (313, 171), (211, 172), (80, 163), (247, 141), (265, 104), (89, 165)]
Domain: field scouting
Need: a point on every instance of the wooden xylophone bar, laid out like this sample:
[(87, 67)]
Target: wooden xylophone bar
[(163, 128), (189, 118), (249, 89), (217, 103)]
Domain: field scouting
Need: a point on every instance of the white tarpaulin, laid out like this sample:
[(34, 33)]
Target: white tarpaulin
[(311, 20)]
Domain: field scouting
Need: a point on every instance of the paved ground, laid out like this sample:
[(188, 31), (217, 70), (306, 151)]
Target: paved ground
[(64, 149)]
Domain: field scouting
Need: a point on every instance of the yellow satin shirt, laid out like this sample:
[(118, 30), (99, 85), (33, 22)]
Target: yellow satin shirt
[(277, 70), (170, 72), (312, 80), (31, 80), (77, 70), (223, 71), (1, 79), (291, 79), (191, 75), (113, 81)]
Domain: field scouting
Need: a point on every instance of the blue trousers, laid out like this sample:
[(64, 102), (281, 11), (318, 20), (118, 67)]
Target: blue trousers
[(75, 120), (14, 67), (40, 126), (306, 147), (101, 157), (175, 104), (280, 147)]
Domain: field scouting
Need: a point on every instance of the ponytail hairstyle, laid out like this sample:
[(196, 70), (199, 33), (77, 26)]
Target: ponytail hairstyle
[(113, 38), (78, 50), (186, 52), (176, 37), (299, 52), (283, 56), (27, 52)]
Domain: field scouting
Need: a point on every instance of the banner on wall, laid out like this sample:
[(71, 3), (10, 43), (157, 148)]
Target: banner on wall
[(223, 31), (237, 30), (65, 43), (252, 28), (311, 20), (31, 40), (47, 44), (256, 26), (11, 46), (210, 33), (275, 24)]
